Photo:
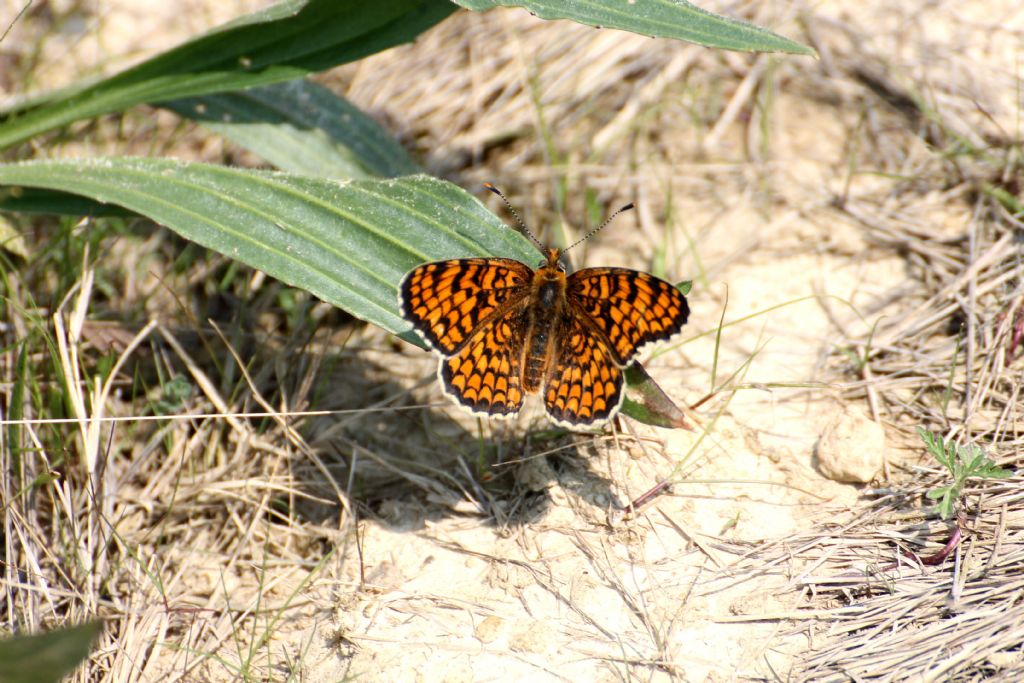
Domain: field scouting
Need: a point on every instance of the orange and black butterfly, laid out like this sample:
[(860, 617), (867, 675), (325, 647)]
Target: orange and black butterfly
[(505, 330)]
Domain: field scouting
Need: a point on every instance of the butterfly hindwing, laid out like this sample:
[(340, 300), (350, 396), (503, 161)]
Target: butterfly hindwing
[(486, 374), (584, 387)]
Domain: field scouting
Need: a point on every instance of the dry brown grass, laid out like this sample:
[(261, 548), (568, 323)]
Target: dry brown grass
[(238, 537)]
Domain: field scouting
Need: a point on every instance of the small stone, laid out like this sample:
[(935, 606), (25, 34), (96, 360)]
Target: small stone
[(488, 629), (852, 448)]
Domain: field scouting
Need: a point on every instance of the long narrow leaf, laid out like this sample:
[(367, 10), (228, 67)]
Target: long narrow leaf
[(283, 42), (301, 127), (658, 18), (348, 243)]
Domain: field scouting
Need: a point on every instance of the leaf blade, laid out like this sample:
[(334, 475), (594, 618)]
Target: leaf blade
[(301, 127), (347, 243), (676, 19), (285, 41)]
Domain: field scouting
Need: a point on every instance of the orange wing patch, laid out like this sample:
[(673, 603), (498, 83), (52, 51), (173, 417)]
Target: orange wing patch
[(486, 375), (630, 307), (447, 300), (585, 385)]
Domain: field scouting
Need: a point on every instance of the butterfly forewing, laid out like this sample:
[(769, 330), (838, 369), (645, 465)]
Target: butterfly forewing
[(447, 300), (631, 308)]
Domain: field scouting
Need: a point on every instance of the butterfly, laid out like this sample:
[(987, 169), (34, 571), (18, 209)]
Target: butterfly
[(505, 330)]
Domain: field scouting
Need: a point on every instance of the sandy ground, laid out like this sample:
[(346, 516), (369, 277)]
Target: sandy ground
[(737, 163)]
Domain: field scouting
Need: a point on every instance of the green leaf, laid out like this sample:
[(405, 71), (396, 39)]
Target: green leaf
[(648, 403), (946, 505), (935, 445), (972, 457), (285, 41), (348, 243), (993, 471), (659, 19), (301, 127), (46, 657)]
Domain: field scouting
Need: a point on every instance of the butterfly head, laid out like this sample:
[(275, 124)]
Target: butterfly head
[(552, 267)]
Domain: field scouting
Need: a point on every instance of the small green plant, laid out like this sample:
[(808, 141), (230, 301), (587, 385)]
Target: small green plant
[(963, 462), (173, 395)]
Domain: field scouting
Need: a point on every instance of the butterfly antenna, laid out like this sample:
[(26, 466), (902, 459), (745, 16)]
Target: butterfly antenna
[(593, 232), (515, 214)]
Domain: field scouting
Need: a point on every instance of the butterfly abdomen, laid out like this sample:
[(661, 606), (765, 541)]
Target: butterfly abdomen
[(545, 312)]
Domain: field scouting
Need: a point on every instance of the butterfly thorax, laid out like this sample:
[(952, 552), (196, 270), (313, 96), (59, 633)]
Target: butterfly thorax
[(545, 313)]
